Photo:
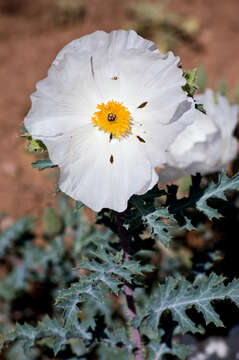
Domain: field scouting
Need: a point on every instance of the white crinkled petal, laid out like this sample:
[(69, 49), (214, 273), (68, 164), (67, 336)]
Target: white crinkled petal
[(225, 117), (207, 99), (64, 101), (154, 181), (223, 114), (158, 137), (205, 156), (229, 150), (188, 150), (208, 144), (88, 175), (147, 77), (197, 132), (114, 42)]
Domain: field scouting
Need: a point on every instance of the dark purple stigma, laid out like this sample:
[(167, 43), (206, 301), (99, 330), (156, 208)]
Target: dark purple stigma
[(111, 117)]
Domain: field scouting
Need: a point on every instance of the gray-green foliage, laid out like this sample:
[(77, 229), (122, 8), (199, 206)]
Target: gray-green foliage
[(161, 229), (216, 191), (163, 222), (14, 232), (178, 295), (157, 350), (107, 273), (83, 272)]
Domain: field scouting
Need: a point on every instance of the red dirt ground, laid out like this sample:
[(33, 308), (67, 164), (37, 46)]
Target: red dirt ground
[(28, 44)]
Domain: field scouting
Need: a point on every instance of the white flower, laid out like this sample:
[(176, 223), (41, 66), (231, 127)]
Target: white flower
[(107, 112), (207, 145)]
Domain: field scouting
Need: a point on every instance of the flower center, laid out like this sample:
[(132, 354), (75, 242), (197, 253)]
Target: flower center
[(113, 118)]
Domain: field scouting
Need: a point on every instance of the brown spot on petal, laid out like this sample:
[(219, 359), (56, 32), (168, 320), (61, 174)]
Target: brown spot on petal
[(140, 139), (111, 159), (111, 137), (143, 105)]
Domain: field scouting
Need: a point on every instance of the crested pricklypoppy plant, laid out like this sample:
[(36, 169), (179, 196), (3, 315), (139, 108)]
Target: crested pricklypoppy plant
[(117, 117)]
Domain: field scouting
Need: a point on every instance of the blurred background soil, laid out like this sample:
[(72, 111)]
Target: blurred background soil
[(31, 34)]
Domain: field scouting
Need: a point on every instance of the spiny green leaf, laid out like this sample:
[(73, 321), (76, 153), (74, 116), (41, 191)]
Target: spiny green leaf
[(140, 206), (107, 271), (111, 270), (162, 230), (36, 145), (78, 292), (198, 198), (200, 108), (216, 191), (28, 334), (43, 164), (178, 295), (48, 329), (52, 328), (191, 85)]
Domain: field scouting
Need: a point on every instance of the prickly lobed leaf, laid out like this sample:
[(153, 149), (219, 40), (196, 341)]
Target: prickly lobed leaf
[(178, 295), (217, 190), (162, 230)]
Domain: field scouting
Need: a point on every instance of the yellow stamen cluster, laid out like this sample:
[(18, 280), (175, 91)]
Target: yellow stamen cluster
[(113, 117)]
